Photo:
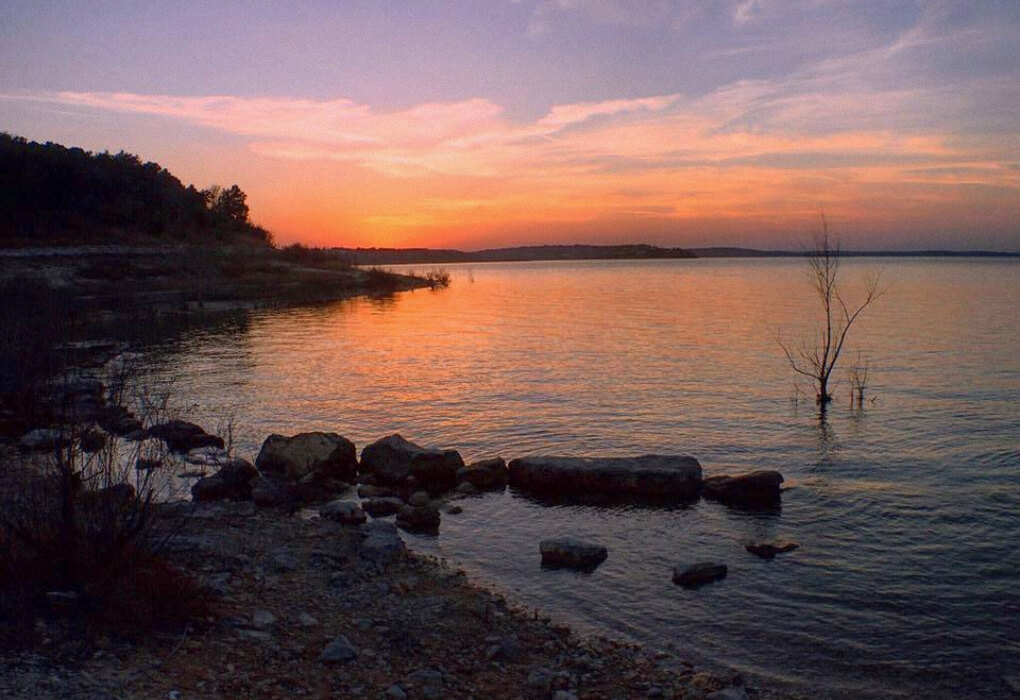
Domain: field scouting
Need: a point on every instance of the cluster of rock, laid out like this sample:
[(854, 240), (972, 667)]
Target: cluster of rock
[(654, 477), (81, 410), (395, 477)]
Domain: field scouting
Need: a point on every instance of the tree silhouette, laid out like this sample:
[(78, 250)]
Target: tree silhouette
[(50, 193), (817, 359)]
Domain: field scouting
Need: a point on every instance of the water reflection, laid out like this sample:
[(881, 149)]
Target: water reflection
[(679, 357)]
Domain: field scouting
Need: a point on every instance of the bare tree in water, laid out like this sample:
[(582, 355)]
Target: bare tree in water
[(817, 359)]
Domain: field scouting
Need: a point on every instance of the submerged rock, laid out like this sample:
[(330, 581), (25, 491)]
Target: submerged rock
[(571, 553), (487, 475), (693, 576), (393, 459), (327, 455), (652, 476), (757, 489), (769, 550)]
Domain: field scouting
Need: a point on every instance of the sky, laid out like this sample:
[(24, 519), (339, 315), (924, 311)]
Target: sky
[(484, 123)]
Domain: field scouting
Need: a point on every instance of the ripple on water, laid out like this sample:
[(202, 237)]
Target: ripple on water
[(907, 512)]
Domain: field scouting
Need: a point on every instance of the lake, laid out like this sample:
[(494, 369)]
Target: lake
[(907, 510)]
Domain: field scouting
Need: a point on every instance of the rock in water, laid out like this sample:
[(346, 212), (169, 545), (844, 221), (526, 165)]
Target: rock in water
[(182, 436), (769, 550), (343, 512), (327, 455), (419, 518), (392, 459), (649, 476), (758, 489), (487, 475), (693, 576), (571, 553)]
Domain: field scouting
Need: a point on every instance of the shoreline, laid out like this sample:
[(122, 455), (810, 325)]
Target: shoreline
[(286, 587)]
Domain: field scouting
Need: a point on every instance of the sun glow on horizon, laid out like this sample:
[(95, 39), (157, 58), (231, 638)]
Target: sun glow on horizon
[(858, 122)]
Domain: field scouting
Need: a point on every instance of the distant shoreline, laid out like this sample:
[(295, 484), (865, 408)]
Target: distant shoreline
[(439, 256)]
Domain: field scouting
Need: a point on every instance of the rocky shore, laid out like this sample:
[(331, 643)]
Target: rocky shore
[(304, 609), (311, 590)]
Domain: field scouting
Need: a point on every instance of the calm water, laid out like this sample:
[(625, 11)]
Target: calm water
[(908, 512)]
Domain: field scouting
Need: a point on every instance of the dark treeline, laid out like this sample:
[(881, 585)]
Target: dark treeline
[(53, 194)]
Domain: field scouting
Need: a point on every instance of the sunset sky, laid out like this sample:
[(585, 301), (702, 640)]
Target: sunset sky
[(482, 123)]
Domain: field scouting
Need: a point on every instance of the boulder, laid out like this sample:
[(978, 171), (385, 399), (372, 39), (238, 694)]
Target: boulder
[(649, 476), (381, 507), (210, 488), (293, 458), (757, 489), (182, 436), (238, 473), (419, 518), (571, 553), (695, 575), (232, 481), (769, 550), (393, 459), (487, 475), (343, 512)]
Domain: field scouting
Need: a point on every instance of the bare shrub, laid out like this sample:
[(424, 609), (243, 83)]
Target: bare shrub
[(78, 519), (817, 358), (437, 278), (857, 374)]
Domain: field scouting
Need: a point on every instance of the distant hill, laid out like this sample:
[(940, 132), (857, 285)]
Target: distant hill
[(728, 252), (401, 256), (51, 194)]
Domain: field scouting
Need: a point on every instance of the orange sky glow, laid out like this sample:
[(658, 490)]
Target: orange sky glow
[(730, 123)]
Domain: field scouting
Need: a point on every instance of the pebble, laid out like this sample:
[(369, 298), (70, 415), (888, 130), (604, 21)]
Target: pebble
[(338, 651)]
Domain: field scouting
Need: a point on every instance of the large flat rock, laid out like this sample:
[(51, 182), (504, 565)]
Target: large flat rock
[(651, 476)]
